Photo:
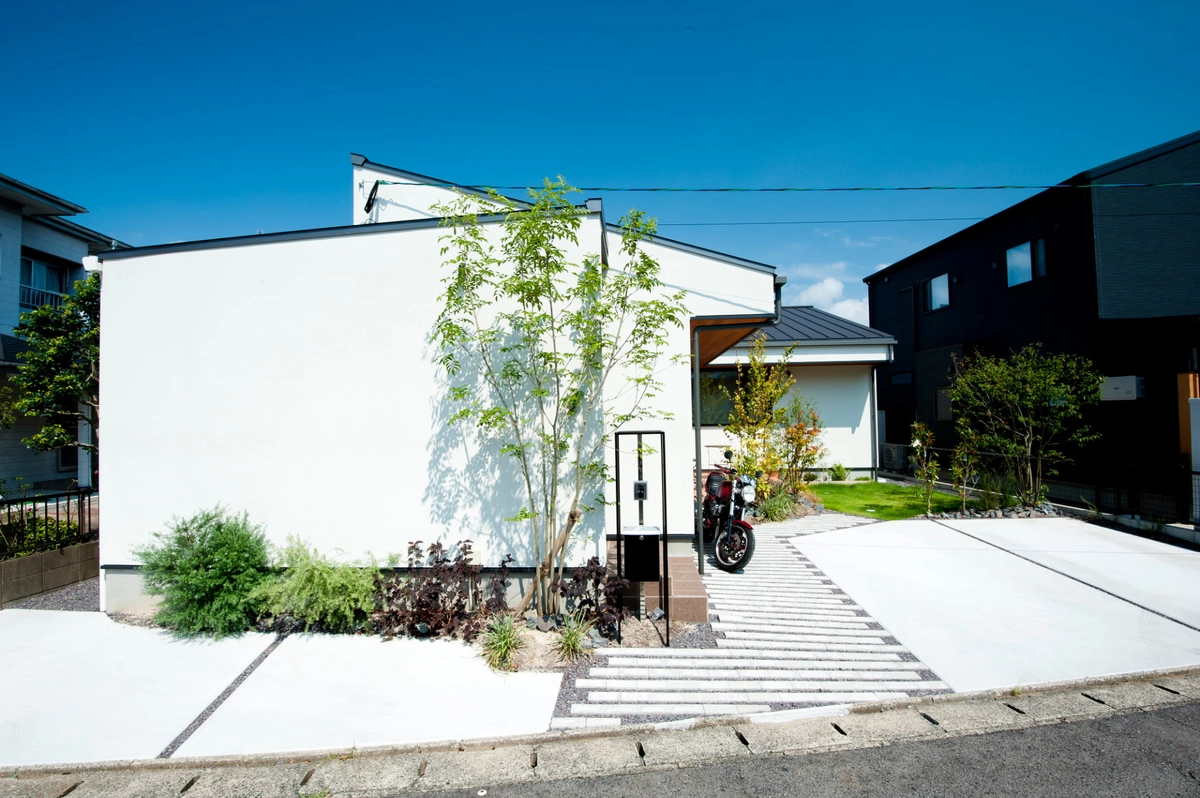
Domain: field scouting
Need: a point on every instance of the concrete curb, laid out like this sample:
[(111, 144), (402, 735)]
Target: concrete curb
[(700, 731)]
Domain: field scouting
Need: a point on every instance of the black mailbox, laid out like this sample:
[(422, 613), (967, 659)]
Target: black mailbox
[(643, 552)]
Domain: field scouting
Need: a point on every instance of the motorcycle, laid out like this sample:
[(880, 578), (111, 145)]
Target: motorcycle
[(726, 496)]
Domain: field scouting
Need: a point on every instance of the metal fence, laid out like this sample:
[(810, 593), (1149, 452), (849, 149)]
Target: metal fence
[(50, 521), (1168, 494)]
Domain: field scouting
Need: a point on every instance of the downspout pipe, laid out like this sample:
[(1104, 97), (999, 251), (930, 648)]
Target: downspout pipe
[(780, 281)]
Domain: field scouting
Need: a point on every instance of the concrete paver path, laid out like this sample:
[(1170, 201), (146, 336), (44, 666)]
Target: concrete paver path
[(788, 638)]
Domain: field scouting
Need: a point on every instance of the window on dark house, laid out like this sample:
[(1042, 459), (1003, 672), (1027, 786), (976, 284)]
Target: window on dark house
[(936, 293), (941, 401), (1026, 262)]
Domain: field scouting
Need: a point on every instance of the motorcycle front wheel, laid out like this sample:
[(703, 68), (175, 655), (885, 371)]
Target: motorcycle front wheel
[(734, 548)]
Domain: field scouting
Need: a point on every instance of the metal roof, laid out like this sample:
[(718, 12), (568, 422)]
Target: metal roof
[(34, 201), (805, 324)]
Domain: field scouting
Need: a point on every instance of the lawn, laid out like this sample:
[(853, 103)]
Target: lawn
[(885, 501)]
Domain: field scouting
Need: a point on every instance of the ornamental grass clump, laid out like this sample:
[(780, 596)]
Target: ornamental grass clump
[(501, 642), (573, 634), (318, 592), (205, 568)]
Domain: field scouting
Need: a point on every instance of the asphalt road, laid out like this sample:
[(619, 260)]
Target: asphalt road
[(1140, 754)]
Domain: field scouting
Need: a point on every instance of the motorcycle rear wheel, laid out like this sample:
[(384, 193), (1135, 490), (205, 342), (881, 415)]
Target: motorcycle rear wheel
[(734, 548)]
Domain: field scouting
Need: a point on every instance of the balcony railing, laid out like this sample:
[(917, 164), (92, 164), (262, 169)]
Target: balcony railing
[(35, 297)]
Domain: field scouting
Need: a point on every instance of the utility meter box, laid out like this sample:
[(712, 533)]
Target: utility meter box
[(1122, 389), (643, 552)]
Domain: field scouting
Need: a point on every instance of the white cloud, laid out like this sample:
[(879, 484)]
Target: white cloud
[(880, 267), (849, 241), (828, 294), (822, 294), (857, 310), (818, 271)]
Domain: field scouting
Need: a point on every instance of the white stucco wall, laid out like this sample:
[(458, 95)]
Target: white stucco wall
[(842, 395), (397, 201), (293, 380), (714, 287)]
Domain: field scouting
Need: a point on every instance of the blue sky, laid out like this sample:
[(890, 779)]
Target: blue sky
[(185, 121)]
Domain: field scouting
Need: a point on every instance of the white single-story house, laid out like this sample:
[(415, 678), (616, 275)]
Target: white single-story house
[(833, 362), (291, 375)]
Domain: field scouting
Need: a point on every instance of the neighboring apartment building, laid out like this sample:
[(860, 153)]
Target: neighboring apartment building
[(1109, 273), (41, 254)]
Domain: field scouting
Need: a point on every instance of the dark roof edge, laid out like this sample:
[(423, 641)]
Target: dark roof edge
[(291, 235), (954, 237), (437, 182), (783, 344), (69, 208), (1083, 177), (695, 250), (103, 242), (1136, 158)]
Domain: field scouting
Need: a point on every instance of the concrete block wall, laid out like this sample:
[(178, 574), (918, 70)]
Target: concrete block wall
[(40, 573)]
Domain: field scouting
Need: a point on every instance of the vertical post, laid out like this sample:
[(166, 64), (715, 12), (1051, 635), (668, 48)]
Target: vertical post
[(697, 502), (620, 553), (666, 602), (641, 477)]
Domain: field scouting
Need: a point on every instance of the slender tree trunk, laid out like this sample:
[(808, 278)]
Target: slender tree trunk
[(546, 566)]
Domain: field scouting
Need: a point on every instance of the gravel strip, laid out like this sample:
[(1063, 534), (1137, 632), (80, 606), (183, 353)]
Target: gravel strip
[(79, 597), (211, 708)]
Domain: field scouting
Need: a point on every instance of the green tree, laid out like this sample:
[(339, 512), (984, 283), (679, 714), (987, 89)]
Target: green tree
[(802, 447), (926, 461), (550, 355), (757, 420), (1024, 407), (59, 375)]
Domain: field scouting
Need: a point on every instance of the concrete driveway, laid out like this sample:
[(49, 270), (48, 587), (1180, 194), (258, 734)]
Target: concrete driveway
[(994, 604), (80, 687), (983, 604)]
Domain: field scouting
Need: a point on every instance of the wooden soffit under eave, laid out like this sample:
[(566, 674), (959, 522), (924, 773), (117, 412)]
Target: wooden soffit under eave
[(714, 341)]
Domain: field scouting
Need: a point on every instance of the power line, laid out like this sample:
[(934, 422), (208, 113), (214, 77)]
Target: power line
[(782, 189), (824, 221), (880, 221)]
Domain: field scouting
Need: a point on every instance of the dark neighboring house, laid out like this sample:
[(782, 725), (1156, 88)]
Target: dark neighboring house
[(1109, 273), (41, 257)]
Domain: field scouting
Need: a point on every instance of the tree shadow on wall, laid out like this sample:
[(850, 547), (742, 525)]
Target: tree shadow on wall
[(473, 487)]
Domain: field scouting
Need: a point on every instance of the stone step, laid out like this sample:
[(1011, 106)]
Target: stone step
[(583, 723), (684, 710), (717, 653), (785, 624), (737, 698), (754, 663), (720, 675), (808, 635), (806, 645), (757, 613), (780, 685)]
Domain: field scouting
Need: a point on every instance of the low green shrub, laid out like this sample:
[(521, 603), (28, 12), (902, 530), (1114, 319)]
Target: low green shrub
[(501, 642), (205, 568), (838, 472), (776, 508), (318, 592)]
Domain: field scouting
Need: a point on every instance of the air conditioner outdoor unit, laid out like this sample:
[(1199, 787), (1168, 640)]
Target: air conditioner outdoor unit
[(1122, 389), (893, 457)]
